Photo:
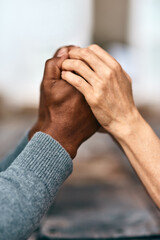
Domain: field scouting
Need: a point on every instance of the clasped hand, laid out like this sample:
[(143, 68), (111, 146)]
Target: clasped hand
[(103, 97), (64, 113)]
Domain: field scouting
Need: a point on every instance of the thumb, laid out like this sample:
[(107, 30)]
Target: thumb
[(61, 52), (53, 67), (60, 60), (60, 56)]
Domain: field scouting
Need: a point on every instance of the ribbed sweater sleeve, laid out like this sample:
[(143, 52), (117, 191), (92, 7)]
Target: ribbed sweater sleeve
[(7, 160), (29, 186)]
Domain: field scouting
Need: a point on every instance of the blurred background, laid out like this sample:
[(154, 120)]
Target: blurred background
[(30, 32)]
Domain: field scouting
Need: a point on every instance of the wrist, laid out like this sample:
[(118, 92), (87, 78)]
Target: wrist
[(127, 127), (36, 128), (66, 142)]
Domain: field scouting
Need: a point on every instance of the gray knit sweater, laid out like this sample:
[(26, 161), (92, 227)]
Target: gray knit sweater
[(28, 184)]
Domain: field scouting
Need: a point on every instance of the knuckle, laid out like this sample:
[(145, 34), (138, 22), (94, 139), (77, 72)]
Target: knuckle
[(117, 67), (71, 52), (110, 74), (74, 52), (93, 46), (49, 62), (97, 98), (95, 102), (85, 51), (65, 64)]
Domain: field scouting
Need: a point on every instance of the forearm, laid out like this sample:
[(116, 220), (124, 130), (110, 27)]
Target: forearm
[(7, 160), (30, 184), (108, 91), (142, 148)]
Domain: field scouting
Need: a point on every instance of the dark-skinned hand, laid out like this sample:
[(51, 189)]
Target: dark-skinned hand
[(63, 111)]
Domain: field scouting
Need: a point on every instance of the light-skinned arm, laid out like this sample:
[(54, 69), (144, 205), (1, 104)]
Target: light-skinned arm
[(108, 90)]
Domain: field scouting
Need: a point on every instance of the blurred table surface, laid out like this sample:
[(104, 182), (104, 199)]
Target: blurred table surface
[(102, 199)]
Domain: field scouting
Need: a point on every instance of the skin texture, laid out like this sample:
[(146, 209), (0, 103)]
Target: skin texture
[(108, 90), (63, 111), (109, 95)]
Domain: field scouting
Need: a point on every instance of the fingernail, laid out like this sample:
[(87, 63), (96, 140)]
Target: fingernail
[(62, 52)]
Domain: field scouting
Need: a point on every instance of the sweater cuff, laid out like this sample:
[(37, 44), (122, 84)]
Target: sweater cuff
[(46, 158)]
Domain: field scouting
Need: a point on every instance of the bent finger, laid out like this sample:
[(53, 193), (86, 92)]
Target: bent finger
[(63, 50), (82, 69), (104, 56), (76, 81), (53, 68), (91, 59)]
